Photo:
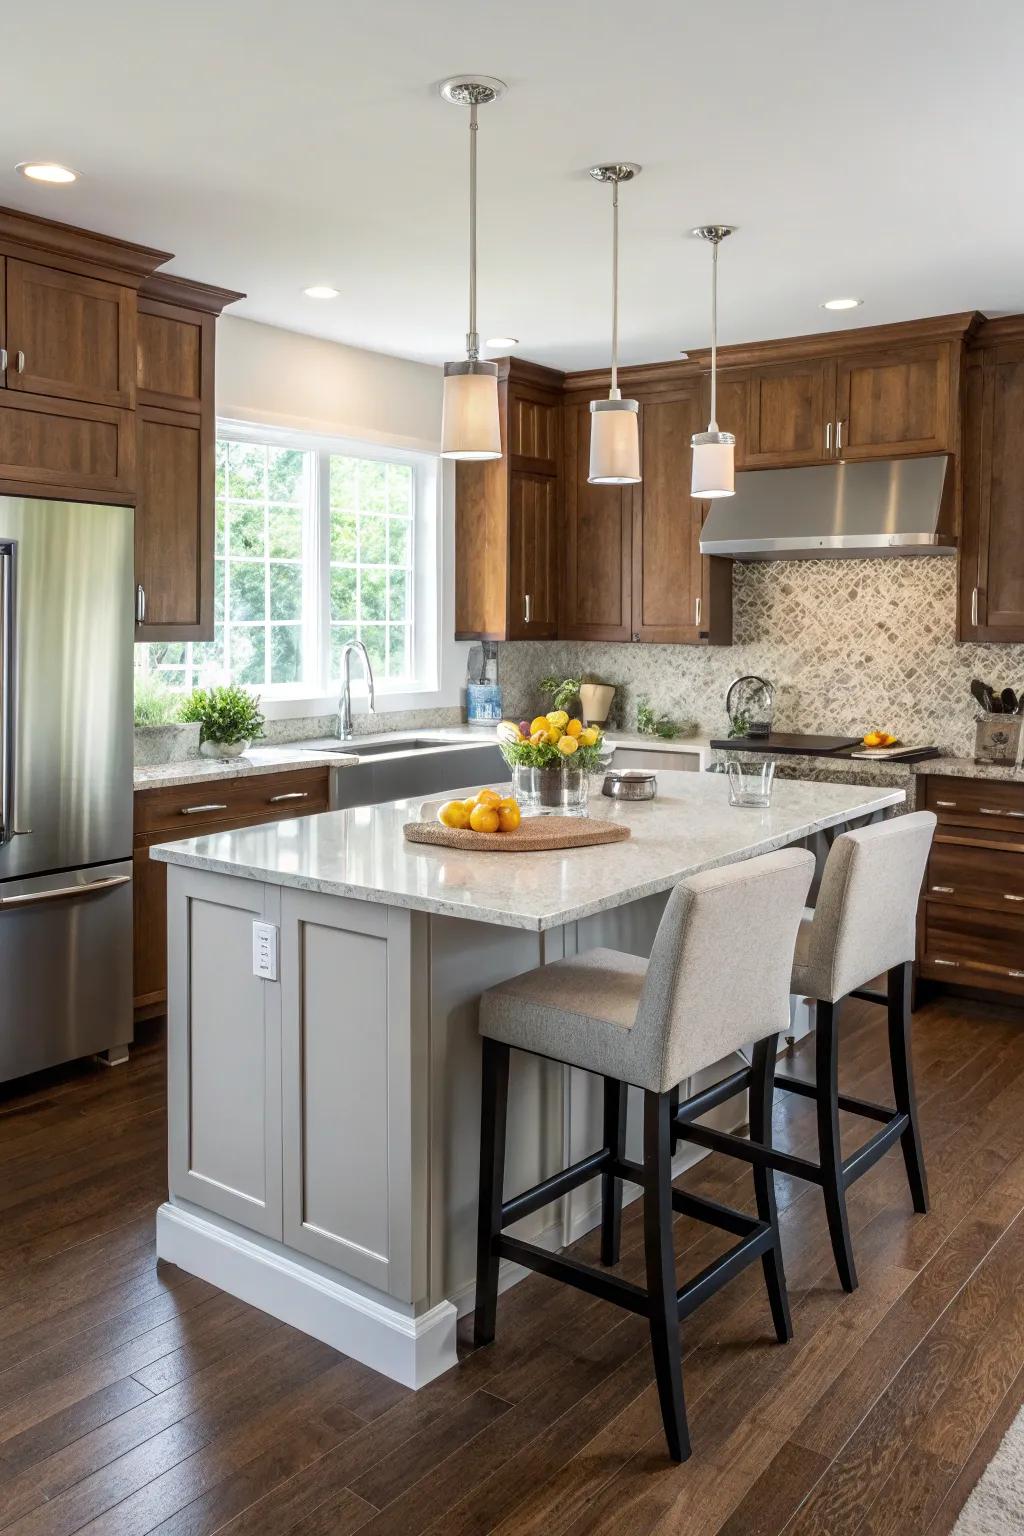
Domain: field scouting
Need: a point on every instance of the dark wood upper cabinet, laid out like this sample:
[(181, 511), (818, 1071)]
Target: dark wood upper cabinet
[(507, 516), (992, 559), (897, 401), (174, 515), (789, 414), (597, 592), (70, 337)]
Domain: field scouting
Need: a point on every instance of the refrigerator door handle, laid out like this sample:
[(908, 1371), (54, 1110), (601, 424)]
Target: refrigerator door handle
[(7, 690), (30, 898)]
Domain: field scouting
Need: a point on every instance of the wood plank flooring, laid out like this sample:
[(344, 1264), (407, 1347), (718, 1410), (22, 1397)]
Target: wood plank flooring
[(134, 1398)]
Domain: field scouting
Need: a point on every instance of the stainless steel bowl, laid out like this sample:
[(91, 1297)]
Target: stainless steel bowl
[(630, 784)]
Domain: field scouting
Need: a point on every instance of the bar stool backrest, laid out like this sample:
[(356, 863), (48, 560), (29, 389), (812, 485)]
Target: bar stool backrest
[(720, 966), (865, 921)]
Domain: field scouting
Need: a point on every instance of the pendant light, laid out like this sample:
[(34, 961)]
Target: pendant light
[(614, 438), (713, 450), (470, 426)]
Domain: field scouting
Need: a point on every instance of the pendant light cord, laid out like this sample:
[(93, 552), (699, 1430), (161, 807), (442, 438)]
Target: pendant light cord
[(614, 393), (713, 423), (472, 338)]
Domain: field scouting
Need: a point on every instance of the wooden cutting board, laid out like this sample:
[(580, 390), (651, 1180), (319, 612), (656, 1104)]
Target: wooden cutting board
[(534, 835)]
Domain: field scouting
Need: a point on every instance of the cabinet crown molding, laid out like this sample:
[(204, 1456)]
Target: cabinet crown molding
[(45, 238), (169, 288)]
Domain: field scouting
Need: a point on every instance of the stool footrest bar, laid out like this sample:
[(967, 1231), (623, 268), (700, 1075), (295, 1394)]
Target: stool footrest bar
[(553, 1188), (717, 1093), (721, 1216), (751, 1152), (868, 995), (595, 1282), (867, 1156), (690, 1296), (850, 1105)]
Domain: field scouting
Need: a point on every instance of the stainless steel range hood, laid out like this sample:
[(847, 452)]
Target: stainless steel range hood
[(830, 511)]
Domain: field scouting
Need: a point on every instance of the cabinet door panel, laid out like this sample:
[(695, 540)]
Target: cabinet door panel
[(224, 1061), (789, 407), (994, 496), (533, 439), (667, 575), (171, 357), (533, 556), (149, 929), (596, 582), (173, 530), (63, 446), (895, 402), (77, 335)]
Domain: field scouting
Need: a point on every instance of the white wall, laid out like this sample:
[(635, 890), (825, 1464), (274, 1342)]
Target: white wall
[(283, 379)]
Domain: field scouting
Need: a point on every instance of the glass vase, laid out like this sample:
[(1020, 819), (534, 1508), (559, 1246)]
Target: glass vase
[(558, 791)]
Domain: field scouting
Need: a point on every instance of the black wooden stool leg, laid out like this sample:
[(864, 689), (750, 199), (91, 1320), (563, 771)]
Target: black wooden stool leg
[(493, 1110), (762, 1090), (661, 1271), (830, 1152), (611, 1187), (899, 985)]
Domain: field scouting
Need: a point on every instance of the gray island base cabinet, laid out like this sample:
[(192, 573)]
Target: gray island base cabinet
[(324, 1122)]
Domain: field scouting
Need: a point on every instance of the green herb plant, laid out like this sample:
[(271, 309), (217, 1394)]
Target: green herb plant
[(226, 715), (562, 691), (155, 704), (650, 724), (546, 755), (739, 725)]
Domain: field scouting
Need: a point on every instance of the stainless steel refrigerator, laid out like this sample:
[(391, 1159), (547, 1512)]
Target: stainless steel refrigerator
[(66, 637)]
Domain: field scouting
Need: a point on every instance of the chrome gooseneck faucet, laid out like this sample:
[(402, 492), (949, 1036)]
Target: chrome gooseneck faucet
[(345, 702)]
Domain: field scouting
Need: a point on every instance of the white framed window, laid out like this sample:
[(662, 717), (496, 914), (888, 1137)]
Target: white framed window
[(319, 541)]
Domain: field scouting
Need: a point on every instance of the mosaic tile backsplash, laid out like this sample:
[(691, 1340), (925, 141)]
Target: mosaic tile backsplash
[(848, 645)]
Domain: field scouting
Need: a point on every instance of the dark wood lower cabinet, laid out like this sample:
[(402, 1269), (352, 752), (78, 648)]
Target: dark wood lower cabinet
[(971, 921), (190, 810)]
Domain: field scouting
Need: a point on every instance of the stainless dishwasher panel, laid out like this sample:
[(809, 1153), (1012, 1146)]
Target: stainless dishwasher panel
[(65, 966)]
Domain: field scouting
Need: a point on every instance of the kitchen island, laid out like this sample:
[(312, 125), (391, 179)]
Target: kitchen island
[(324, 976)]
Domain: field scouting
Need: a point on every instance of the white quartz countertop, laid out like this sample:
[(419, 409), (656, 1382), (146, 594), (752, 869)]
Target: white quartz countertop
[(362, 853), (197, 770)]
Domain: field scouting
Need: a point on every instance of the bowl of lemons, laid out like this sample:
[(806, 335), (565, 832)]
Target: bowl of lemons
[(488, 812)]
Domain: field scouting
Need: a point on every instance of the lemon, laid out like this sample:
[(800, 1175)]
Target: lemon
[(453, 814), (554, 735), (489, 797), (469, 804), (567, 745), (588, 737), (484, 818), (558, 717), (538, 723), (509, 815), (574, 728)]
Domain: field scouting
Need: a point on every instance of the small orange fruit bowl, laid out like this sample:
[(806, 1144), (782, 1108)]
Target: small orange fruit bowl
[(487, 812)]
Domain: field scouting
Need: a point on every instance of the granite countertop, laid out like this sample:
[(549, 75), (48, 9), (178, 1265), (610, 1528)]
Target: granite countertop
[(689, 827), (196, 770), (967, 768)]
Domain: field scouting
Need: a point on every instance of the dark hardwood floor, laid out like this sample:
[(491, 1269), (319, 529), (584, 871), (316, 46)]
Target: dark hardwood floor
[(134, 1398)]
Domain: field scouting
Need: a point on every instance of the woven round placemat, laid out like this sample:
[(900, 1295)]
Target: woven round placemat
[(533, 835)]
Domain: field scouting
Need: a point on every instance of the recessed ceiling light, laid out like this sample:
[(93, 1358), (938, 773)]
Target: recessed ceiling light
[(502, 341), (842, 303), (320, 291), (46, 170)]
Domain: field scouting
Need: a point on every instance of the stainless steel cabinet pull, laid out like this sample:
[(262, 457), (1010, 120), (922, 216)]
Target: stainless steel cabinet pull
[(943, 890), (296, 794), (992, 810), (21, 361), (194, 810), (527, 608), (696, 612), (140, 604), (953, 964), (947, 805), (839, 438), (7, 691), (828, 439), (1017, 974), (1008, 897), (3, 359), (31, 897), (974, 606)]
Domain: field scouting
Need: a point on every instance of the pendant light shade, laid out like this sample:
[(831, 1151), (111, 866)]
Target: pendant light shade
[(714, 450), (470, 423), (614, 425)]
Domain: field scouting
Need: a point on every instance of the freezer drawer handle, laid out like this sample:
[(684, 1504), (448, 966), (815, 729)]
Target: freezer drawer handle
[(195, 810), (991, 810), (32, 897), (7, 687), (303, 794)]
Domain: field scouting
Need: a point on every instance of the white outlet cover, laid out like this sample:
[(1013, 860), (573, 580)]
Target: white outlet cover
[(264, 951)]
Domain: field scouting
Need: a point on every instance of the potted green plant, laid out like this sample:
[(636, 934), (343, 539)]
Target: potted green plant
[(551, 758), (230, 719), (160, 735)]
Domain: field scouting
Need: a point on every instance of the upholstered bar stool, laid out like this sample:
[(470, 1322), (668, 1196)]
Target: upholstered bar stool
[(863, 926), (718, 978)]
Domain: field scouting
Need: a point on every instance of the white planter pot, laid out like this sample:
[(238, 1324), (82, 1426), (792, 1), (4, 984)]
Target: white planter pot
[(225, 748), (596, 699)]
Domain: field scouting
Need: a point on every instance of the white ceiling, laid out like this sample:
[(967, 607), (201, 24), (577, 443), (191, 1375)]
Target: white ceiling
[(868, 147)]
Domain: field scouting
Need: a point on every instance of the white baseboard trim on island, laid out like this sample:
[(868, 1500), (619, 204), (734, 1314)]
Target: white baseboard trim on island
[(411, 1350)]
